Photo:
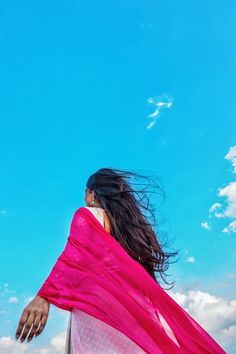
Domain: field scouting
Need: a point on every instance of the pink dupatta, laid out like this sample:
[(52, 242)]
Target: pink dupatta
[(96, 275)]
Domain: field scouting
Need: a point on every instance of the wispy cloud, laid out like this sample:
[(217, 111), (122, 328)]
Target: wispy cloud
[(159, 103), (13, 300), (228, 192), (191, 260), (231, 156), (205, 225), (230, 228), (214, 209), (3, 211), (4, 290)]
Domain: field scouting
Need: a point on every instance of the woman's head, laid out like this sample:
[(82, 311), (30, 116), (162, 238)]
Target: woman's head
[(105, 181), (127, 208)]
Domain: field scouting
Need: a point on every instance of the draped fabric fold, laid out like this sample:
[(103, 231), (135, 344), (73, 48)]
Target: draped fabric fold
[(96, 275)]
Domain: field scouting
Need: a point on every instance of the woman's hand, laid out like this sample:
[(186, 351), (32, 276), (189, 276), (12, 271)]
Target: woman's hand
[(36, 312)]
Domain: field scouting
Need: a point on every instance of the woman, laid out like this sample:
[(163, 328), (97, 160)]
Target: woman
[(108, 278)]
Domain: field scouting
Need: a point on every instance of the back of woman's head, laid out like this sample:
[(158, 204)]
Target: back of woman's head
[(132, 216)]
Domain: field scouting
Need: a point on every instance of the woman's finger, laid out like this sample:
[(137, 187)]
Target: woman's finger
[(28, 324), (22, 321), (35, 327), (42, 324)]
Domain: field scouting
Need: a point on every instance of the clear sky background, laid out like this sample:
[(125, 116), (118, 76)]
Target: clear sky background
[(140, 85)]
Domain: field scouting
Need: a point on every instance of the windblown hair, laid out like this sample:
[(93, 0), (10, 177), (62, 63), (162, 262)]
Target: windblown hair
[(128, 209)]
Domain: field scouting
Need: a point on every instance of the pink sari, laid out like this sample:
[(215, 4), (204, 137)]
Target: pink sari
[(95, 275)]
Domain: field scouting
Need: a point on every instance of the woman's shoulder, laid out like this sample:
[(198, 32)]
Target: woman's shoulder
[(80, 217), (89, 207), (94, 207), (97, 212)]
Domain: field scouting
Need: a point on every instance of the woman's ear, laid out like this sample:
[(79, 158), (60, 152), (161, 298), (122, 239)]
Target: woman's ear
[(93, 195)]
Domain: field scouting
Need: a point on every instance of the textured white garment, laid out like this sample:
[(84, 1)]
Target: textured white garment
[(88, 335)]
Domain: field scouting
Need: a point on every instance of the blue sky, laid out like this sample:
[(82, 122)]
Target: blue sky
[(141, 85)]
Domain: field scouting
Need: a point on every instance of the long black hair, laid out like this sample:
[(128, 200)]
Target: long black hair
[(132, 217)]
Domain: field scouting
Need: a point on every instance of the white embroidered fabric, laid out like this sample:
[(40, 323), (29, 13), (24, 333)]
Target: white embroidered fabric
[(88, 335)]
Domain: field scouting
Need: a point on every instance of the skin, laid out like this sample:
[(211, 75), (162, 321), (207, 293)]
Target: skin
[(89, 197), (35, 315)]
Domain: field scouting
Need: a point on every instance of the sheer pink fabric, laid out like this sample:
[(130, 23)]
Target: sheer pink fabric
[(90, 335), (96, 275)]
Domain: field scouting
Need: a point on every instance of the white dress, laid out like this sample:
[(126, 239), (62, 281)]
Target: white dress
[(88, 335)]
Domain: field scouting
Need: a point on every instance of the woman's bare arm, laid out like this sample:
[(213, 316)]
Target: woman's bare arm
[(36, 314)]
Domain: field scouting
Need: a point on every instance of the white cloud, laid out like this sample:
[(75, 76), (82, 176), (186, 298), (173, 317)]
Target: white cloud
[(191, 260), (229, 192), (214, 208), (58, 342), (12, 346), (205, 225), (13, 300), (5, 290), (227, 336), (231, 156), (159, 103), (9, 345), (150, 125), (213, 313), (231, 228), (3, 211)]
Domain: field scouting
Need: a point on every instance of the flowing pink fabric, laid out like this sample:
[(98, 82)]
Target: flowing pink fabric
[(96, 275)]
